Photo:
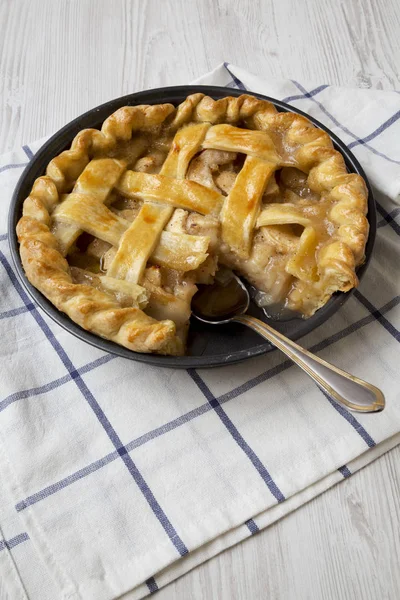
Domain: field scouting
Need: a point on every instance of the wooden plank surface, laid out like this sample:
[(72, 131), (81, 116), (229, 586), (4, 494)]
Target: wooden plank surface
[(59, 58)]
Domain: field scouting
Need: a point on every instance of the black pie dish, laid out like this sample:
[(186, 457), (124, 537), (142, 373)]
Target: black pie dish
[(208, 346)]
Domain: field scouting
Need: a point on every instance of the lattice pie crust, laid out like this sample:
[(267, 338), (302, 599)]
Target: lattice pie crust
[(125, 223)]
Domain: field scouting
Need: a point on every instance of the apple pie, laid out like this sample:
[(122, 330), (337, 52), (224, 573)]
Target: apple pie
[(127, 221)]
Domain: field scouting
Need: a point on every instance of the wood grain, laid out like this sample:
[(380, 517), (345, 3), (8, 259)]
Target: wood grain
[(60, 58)]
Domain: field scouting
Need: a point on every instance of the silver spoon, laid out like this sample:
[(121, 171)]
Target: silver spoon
[(228, 302)]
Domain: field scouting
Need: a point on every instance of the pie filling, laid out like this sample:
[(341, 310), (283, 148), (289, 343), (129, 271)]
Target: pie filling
[(146, 218)]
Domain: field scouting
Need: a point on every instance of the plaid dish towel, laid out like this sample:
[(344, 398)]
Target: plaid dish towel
[(117, 477)]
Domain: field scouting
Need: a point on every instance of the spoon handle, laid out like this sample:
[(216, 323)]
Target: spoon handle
[(346, 389)]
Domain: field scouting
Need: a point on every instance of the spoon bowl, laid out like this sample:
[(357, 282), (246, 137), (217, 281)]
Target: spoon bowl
[(221, 302)]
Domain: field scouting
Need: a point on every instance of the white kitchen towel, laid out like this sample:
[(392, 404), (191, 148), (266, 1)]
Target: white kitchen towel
[(117, 477)]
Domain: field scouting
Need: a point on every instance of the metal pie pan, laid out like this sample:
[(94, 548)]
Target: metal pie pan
[(208, 346)]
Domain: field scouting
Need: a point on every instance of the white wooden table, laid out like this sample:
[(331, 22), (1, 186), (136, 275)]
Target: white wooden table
[(58, 58)]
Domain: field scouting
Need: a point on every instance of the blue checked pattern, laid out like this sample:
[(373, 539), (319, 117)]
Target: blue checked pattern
[(358, 140), (11, 543), (210, 415)]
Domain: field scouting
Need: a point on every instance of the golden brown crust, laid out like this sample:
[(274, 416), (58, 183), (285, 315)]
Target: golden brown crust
[(94, 310), (297, 142)]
